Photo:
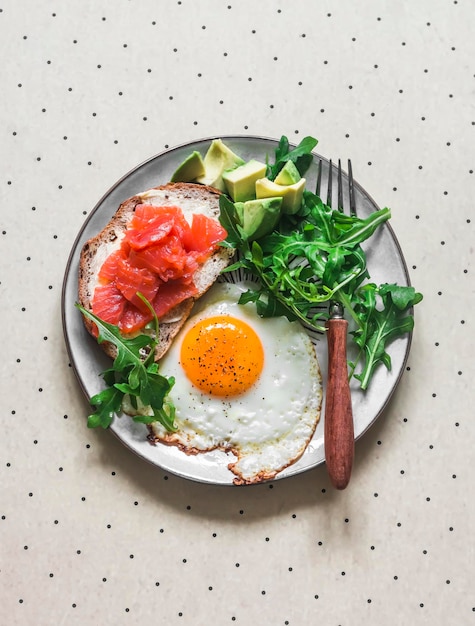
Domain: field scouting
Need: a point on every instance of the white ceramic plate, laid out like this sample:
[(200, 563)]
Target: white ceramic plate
[(385, 264)]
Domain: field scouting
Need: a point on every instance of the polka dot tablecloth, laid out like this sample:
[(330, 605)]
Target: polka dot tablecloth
[(89, 532)]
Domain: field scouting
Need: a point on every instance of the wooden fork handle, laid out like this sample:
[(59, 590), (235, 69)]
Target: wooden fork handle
[(339, 431)]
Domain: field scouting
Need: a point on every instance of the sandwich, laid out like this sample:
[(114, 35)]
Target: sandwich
[(164, 243)]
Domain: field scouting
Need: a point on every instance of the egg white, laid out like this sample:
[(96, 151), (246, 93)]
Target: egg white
[(268, 427)]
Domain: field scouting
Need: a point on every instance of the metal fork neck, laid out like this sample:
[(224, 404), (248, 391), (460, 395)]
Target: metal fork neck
[(335, 310)]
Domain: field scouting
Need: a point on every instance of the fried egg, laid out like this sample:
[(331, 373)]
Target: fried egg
[(243, 384)]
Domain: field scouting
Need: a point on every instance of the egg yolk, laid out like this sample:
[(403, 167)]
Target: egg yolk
[(222, 356)]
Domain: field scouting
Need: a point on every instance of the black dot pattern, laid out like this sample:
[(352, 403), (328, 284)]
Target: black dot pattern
[(89, 532)]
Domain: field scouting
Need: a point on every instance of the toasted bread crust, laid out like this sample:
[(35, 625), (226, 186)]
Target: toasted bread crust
[(191, 198)]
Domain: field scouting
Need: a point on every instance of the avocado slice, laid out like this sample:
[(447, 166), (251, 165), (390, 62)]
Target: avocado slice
[(190, 169), (241, 181), (291, 194), (288, 175), (217, 160), (259, 217)]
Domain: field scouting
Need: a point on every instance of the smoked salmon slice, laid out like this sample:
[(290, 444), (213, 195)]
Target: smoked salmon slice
[(108, 270), (171, 294), (151, 224), (130, 279), (109, 303), (158, 257), (133, 320), (167, 259), (206, 233)]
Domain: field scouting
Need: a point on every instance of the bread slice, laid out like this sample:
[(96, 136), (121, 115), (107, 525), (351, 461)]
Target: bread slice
[(191, 198)]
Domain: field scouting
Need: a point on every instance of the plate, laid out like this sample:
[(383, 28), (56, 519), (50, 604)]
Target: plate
[(385, 263)]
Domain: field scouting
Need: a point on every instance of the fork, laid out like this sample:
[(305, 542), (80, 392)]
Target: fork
[(339, 441)]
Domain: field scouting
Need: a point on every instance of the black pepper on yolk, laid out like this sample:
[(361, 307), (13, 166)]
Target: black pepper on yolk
[(222, 356)]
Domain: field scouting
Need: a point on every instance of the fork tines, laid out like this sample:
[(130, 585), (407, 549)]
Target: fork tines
[(351, 189)]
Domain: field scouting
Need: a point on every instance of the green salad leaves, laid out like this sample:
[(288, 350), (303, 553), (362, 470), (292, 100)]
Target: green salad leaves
[(133, 379), (380, 325), (315, 256)]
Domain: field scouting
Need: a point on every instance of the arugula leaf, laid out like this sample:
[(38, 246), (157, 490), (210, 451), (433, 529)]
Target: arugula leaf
[(282, 149), (230, 221), (133, 374), (107, 404), (379, 326), (300, 155), (129, 350)]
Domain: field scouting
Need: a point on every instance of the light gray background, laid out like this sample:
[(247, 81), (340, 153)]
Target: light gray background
[(89, 533)]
